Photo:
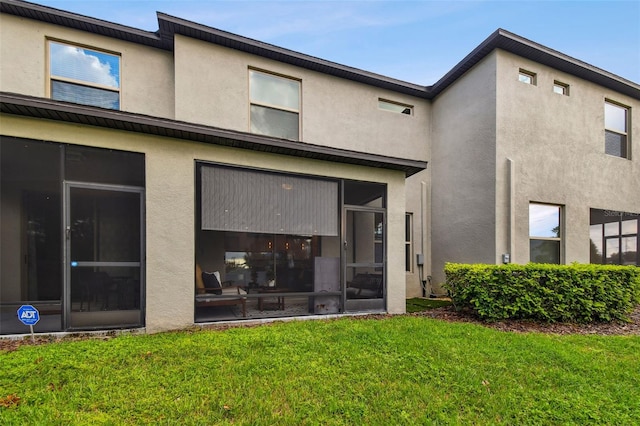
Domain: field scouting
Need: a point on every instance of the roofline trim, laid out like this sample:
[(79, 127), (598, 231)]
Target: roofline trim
[(170, 25), (513, 43), (16, 104)]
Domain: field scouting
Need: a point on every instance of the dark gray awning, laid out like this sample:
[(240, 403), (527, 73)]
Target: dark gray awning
[(49, 109)]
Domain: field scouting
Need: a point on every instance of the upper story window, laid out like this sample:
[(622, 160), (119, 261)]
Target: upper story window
[(84, 76), (616, 140), (275, 105), (560, 88), (527, 77), (545, 239), (395, 107)]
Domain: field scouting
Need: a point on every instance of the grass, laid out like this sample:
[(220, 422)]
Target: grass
[(418, 304), (400, 370)]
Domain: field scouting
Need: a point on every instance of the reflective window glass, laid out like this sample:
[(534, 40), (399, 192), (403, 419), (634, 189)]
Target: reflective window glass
[(629, 227), (615, 117), (615, 144), (544, 220), (612, 228), (613, 250), (84, 76), (544, 251), (275, 105), (274, 122), (525, 78), (595, 234), (395, 107), (84, 95), (629, 250), (273, 90), (620, 230), (85, 65)]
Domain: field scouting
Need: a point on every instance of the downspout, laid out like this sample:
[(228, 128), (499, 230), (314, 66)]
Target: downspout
[(512, 210)]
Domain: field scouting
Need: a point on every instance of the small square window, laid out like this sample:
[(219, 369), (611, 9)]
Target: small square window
[(395, 107), (560, 88), (527, 77)]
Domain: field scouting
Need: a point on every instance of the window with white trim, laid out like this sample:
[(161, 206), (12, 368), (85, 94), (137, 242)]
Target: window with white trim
[(275, 105), (560, 88), (84, 76), (527, 77)]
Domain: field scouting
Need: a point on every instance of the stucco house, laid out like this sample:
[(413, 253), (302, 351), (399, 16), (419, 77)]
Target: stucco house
[(160, 179)]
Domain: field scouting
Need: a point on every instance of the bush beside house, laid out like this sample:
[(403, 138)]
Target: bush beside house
[(542, 292)]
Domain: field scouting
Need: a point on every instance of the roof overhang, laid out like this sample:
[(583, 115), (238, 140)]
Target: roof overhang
[(169, 26), (505, 40), (27, 106)]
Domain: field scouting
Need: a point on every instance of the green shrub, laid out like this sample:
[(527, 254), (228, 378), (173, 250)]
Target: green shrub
[(542, 292)]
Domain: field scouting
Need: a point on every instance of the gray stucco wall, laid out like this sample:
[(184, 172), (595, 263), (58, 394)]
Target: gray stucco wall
[(463, 170), (556, 143), (170, 207), (212, 88)]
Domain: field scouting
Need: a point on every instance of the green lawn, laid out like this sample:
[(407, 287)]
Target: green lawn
[(418, 304), (399, 370)]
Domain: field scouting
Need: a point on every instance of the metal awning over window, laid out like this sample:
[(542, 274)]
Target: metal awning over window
[(254, 201)]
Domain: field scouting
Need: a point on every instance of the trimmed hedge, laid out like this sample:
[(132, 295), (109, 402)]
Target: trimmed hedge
[(542, 292)]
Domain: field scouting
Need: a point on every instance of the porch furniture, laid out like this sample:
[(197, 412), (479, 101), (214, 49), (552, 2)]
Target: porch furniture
[(280, 299), (218, 295), (365, 286)]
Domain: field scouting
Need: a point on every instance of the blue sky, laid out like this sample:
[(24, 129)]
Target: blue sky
[(415, 41)]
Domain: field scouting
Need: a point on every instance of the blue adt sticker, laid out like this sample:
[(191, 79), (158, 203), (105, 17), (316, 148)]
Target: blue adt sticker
[(28, 315)]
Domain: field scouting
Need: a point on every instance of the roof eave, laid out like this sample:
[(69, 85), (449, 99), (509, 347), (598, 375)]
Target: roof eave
[(507, 41), (80, 22), (171, 25), (43, 108)]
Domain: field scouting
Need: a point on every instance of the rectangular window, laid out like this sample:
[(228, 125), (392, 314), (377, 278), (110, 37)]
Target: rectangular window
[(560, 88), (616, 130), (275, 105), (545, 239), (408, 245), (84, 76), (527, 77), (395, 107), (614, 237)]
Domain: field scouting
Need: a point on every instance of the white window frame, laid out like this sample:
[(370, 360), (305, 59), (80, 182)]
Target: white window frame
[(527, 77), (560, 88)]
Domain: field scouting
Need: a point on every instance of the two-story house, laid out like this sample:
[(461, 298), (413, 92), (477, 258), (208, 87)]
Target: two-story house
[(531, 159), (191, 175)]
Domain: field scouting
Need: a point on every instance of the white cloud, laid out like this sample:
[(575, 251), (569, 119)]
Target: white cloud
[(81, 64)]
